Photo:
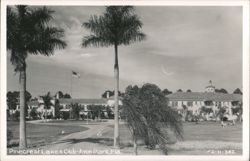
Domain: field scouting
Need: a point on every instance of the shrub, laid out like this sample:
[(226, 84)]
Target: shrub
[(16, 115), (9, 136), (33, 114), (65, 115)]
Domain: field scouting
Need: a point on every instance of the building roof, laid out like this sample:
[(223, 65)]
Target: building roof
[(113, 98), (210, 86), (204, 96), (83, 101)]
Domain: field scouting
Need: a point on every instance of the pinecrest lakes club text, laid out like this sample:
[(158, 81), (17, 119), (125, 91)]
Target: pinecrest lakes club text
[(64, 152)]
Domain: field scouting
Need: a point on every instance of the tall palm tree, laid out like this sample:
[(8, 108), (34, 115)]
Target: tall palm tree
[(29, 32), (47, 104), (119, 25)]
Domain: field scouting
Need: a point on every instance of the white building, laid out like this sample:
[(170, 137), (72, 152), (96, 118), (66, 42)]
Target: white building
[(194, 101)]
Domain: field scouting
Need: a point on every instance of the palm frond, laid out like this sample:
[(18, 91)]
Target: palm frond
[(94, 24), (12, 27), (46, 41), (148, 115), (118, 25), (18, 60), (47, 100), (40, 16), (28, 32), (95, 41)]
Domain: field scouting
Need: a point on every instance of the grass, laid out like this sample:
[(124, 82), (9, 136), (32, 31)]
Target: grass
[(204, 131), (74, 122), (198, 138), (212, 131), (39, 134)]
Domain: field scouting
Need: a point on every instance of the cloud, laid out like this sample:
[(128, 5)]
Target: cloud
[(185, 48), (165, 72), (87, 55)]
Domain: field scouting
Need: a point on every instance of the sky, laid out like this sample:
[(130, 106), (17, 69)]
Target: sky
[(185, 47)]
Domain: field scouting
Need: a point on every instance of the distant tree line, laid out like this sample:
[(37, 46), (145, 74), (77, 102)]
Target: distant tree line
[(61, 95), (109, 93), (13, 98)]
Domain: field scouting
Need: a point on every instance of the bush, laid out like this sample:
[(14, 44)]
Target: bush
[(33, 114), (236, 110), (9, 136), (17, 115), (76, 108), (65, 115)]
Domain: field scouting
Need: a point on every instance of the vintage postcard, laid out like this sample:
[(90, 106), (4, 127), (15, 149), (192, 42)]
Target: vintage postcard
[(124, 80)]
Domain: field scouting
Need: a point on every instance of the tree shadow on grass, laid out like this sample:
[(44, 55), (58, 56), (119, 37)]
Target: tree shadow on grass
[(102, 141)]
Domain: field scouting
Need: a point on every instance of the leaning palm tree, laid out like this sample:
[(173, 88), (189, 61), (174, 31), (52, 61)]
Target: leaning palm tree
[(149, 118), (29, 32), (119, 25)]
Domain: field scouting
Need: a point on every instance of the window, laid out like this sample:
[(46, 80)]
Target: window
[(175, 103)]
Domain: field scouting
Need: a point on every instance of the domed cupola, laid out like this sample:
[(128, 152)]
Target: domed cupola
[(210, 87)]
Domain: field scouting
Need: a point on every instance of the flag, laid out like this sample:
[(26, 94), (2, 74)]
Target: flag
[(75, 74)]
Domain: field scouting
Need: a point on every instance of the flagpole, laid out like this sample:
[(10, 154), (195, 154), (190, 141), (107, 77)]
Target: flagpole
[(73, 74), (71, 84)]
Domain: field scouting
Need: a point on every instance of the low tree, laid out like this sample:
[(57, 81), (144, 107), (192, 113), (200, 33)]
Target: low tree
[(57, 108), (189, 90), (184, 112), (96, 111), (110, 113), (221, 112), (17, 115), (222, 90), (237, 91), (179, 90), (76, 108), (148, 116), (166, 92), (33, 114), (66, 95), (47, 103), (60, 94), (12, 99), (109, 93)]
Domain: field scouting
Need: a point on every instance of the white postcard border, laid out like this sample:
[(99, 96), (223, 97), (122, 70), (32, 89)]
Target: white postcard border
[(245, 142)]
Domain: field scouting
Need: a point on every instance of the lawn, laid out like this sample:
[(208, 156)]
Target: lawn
[(203, 138), (39, 134)]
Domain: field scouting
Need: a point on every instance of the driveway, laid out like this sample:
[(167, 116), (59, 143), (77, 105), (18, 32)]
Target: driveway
[(85, 142)]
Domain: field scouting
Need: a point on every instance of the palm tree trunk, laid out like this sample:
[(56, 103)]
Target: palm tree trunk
[(45, 115), (135, 146), (116, 75), (22, 137)]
